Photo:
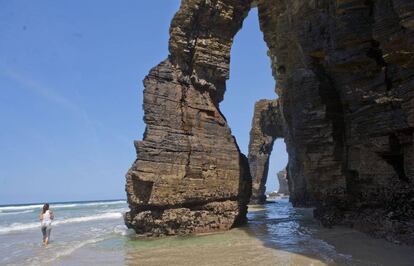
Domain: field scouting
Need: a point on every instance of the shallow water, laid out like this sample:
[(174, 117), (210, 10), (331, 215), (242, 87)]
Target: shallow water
[(276, 234), (76, 225)]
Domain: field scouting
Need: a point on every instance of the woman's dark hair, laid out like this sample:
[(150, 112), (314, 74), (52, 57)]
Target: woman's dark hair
[(45, 208)]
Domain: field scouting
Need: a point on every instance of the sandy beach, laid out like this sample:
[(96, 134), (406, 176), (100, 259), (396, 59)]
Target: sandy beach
[(276, 234)]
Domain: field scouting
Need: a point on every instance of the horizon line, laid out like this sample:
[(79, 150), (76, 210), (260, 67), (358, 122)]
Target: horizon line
[(59, 202)]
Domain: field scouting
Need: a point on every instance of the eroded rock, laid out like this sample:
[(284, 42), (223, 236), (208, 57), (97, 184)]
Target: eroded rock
[(345, 77), (267, 126), (282, 177), (189, 175), (345, 80)]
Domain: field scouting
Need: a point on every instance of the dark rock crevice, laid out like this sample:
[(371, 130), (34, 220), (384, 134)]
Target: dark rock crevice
[(346, 89), (395, 157)]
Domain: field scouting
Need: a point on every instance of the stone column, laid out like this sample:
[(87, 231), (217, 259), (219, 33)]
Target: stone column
[(267, 125), (189, 176)]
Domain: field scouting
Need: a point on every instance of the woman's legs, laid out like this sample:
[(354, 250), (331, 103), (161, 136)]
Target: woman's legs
[(44, 233), (48, 231)]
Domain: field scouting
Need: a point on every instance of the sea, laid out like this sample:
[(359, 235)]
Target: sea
[(93, 233)]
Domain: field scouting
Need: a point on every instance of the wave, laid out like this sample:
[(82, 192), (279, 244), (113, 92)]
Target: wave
[(123, 230), (73, 248), (17, 208), (58, 206), (21, 212), (66, 251), (16, 227), (103, 203)]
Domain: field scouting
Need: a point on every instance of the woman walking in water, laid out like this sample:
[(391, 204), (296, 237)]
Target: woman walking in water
[(46, 217)]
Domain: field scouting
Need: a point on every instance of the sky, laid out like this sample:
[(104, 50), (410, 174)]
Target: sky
[(71, 76)]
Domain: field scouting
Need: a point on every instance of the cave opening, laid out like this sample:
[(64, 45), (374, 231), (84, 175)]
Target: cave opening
[(244, 91), (395, 157), (277, 169)]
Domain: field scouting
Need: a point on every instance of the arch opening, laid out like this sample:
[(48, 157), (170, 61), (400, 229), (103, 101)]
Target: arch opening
[(261, 137), (276, 182)]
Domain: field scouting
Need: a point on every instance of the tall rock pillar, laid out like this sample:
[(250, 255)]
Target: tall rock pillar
[(189, 176), (267, 125)]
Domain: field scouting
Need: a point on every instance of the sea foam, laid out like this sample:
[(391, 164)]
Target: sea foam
[(18, 212), (4, 209), (17, 227)]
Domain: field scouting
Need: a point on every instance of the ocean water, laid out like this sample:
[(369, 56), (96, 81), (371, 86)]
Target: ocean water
[(93, 233), (76, 224)]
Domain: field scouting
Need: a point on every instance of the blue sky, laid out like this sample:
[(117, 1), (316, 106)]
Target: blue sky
[(71, 93)]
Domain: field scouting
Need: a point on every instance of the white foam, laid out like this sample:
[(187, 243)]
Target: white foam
[(73, 248), (16, 227), (61, 252), (103, 203), (123, 230), (17, 208), (59, 206), (37, 206), (8, 213)]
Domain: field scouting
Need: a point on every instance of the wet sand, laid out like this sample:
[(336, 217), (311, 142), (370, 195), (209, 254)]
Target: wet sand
[(367, 250), (276, 234), (235, 247), (232, 248)]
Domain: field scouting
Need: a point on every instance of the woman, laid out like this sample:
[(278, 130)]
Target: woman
[(46, 217)]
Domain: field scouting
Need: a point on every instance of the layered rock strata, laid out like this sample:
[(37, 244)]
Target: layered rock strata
[(189, 176), (345, 77), (267, 125), (282, 177)]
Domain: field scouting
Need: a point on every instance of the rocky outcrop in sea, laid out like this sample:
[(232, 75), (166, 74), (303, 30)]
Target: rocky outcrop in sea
[(282, 177), (267, 126)]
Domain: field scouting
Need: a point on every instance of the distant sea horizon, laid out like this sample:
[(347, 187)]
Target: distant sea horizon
[(60, 202)]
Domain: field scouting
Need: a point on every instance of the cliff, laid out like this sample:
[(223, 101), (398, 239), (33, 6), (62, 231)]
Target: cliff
[(345, 81), (345, 77)]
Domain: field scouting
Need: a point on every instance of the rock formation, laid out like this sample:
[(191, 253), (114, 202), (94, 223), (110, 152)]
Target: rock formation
[(190, 176), (345, 78), (267, 125), (282, 177)]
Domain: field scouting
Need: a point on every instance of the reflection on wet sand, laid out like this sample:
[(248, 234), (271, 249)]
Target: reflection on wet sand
[(236, 247), (273, 236), (276, 234)]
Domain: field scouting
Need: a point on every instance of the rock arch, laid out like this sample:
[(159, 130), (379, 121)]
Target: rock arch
[(267, 126), (345, 77), (346, 97)]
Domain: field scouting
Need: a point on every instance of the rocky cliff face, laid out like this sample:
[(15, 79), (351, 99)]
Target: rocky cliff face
[(282, 177), (189, 175), (345, 77), (267, 125)]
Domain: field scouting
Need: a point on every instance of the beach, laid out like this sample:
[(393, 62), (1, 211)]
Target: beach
[(93, 233)]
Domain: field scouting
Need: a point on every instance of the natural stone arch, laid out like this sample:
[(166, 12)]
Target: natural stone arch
[(267, 126), (346, 97)]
